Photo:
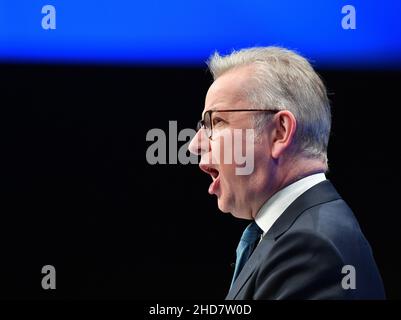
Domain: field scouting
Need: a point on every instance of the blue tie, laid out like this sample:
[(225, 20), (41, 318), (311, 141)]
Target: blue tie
[(245, 247)]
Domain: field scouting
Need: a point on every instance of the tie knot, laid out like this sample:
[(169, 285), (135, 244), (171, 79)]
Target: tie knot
[(251, 233)]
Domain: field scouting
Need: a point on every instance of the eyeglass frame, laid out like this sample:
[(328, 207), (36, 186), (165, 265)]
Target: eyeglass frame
[(201, 122)]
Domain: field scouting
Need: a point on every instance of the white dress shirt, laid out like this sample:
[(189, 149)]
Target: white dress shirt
[(273, 208)]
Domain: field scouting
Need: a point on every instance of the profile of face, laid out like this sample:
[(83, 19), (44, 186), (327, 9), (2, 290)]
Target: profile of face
[(236, 193)]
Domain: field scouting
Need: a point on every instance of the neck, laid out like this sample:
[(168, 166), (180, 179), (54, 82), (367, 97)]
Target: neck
[(287, 175)]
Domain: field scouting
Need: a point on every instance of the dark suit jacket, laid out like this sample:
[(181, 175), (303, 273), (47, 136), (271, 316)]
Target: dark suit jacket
[(304, 252)]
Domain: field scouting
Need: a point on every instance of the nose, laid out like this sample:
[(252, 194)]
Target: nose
[(200, 143)]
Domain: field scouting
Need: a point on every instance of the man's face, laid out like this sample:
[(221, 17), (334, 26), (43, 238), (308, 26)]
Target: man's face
[(241, 195)]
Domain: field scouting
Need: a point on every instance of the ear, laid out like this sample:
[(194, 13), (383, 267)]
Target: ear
[(283, 131)]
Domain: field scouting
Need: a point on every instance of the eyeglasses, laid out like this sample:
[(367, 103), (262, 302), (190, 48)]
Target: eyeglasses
[(207, 123)]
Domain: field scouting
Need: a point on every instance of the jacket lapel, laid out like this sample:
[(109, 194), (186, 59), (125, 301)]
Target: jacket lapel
[(249, 267)]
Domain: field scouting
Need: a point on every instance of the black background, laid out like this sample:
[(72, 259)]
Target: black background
[(77, 192)]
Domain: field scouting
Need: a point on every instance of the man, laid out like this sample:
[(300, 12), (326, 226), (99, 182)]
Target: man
[(304, 241)]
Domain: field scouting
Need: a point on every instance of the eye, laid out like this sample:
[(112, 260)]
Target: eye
[(217, 121)]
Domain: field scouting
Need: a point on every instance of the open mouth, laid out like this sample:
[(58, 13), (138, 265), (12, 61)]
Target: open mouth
[(214, 173), (214, 186)]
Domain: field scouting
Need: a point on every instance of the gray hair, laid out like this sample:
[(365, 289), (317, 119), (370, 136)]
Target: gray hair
[(282, 79)]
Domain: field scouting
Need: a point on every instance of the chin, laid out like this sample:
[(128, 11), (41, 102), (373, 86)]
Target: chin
[(223, 207)]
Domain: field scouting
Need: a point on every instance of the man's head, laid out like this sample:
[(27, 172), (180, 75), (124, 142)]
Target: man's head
[(290, 138)]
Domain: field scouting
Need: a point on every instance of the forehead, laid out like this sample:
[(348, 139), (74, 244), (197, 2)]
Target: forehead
[(228, 90)]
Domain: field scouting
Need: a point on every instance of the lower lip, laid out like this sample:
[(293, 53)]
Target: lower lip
[(214, 186)]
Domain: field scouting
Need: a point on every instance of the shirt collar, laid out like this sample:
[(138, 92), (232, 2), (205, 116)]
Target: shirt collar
[(273, 208)]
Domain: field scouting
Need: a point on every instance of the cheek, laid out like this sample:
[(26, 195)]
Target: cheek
[(223, 147), (230, 181)]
